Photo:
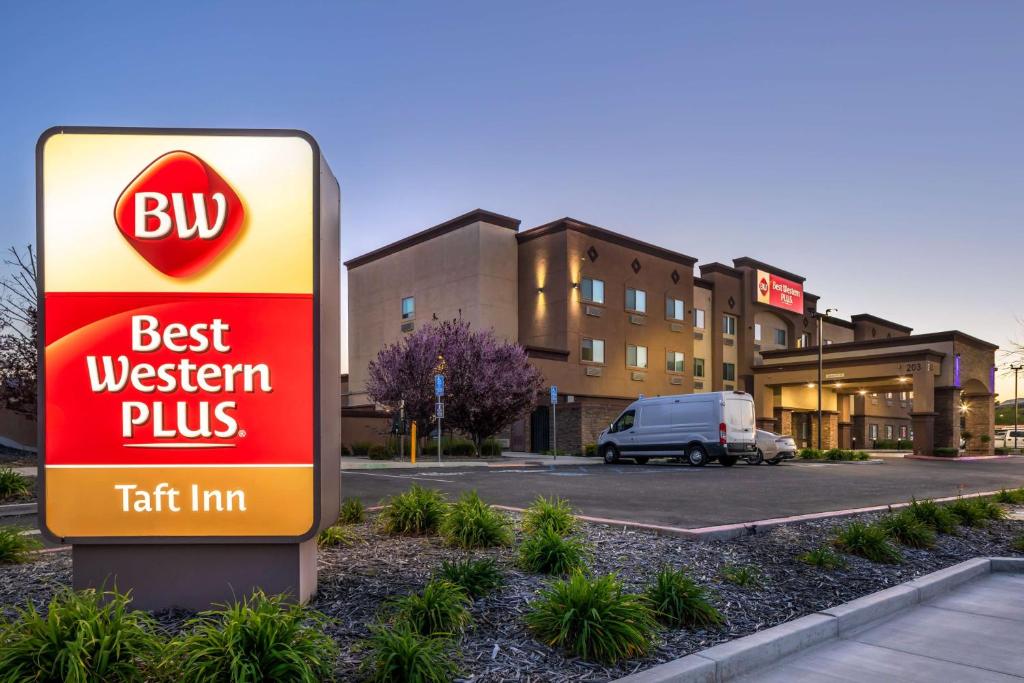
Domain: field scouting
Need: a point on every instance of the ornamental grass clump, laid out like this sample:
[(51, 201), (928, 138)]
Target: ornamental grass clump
[(472, 523), (677, 600), (547, 552), (335, 536), (15, 546), (990, 509), (13, 485), (869, 541), (550, 513), (904, 528), (441, 608), (476, 577), (352, 511), (593, 619), (936, 516), (414, 512), (261, 638), (81, 637), (1009, 496), (1017, 544), (741, 575), (969, 513), (399, 654), (823, 557)]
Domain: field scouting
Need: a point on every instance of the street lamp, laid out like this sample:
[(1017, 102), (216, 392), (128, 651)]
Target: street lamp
[(1016, 367), (821, 362)]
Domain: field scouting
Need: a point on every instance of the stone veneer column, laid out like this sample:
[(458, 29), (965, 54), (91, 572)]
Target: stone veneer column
[(947, 418), (980, 421), (784, 419), (924, 433)]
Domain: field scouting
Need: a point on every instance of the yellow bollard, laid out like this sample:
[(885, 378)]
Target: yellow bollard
[(412, 445)]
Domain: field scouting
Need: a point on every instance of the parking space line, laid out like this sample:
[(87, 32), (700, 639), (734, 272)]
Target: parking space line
[(398, 476)]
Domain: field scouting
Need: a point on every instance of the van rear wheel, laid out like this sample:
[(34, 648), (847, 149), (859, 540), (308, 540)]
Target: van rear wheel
[(610, 455), (697, 456)]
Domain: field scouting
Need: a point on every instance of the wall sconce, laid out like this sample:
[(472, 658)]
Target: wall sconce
[(863, 392), (575, 285), (540, 290)]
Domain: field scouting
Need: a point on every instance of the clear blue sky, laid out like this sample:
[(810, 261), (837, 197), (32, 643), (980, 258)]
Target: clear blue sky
[(874, 147)]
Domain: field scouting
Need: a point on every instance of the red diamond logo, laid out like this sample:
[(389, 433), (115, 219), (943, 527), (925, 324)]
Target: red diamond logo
[(763, 285), (179, 214)]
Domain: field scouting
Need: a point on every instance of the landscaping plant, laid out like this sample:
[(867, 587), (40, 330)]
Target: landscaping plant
[(472, 523), (416, 511), (352, 511), (969, 513), (904, 528), (16, 547), (13, 485), (334, 536), (678, 600), (83, 637), (593, 619), (476, 577), (261, 638), (399, 654), (823, 557), (743, 576), (441, 608), (990, 508), (1018, 544), (1009, 496), (547, 552), (550, 513), (869, 541), (936, 516)]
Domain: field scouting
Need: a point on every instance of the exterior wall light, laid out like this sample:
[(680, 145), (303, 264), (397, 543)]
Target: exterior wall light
[(575, 285), (811, 385), (540, 290), (863, 392), (903, 380), (963, 408)]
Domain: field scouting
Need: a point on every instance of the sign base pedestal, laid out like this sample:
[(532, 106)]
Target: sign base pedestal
[(196, 576)]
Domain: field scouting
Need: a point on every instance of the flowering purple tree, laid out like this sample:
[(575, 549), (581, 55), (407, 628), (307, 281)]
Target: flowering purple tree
[(488, 383)]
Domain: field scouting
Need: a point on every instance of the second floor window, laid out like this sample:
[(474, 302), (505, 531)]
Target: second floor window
[(592, 290), (698, 367), (805, 340), (780, 337), (408, 308), (636, 356), (729, 372), (675, 309), (636, 300), (729, 325), (757, 332), (592, 350), (698, 318), (674, 361)]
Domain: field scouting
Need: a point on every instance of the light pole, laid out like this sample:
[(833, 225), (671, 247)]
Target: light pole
[(1016, 367), (821, 363)]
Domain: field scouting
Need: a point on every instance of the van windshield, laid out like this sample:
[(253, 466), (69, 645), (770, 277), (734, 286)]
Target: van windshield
[(625, 421)]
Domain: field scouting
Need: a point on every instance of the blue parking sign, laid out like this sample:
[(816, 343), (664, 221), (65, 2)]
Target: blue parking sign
[(438, 385), (554, 394)]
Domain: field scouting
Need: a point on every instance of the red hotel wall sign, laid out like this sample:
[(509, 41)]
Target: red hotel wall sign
[(779, 292), (180, 334)]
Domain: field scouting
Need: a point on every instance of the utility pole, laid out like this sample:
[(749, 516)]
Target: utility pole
[(821, 363), (1016, 367)]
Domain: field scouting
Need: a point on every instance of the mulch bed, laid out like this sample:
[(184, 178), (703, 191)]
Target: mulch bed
[(354, 582)]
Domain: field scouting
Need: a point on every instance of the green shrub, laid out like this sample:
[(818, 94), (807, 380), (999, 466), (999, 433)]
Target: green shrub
[(547, 552), (14, 485), (810, 454), (16, 547), (839, 454), (945, 451), (261, 638), (490, 448), (886, 444), (1001, 451), (378, 452), (590, 450), (550, 513), (868, 541), (990, 509), (969, 513), (904, 444), (1009, 496), (936, 516), (462, 448), (334, 536), (398, 654), (678, 600), (741, 575), (593, 619), (416, 511), (905, 528), (476, 577), (352, 511), (823, 557), (83, 637), (361, 447), (472, 523), (1018, 544), (441, 608)]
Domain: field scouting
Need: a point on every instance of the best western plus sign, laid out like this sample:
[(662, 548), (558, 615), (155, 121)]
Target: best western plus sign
[(179, 279)]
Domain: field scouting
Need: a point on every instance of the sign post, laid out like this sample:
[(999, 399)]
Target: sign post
[(554, 421), (189, 335), (439, 409)]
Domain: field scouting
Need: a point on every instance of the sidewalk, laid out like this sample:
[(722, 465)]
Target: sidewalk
[(429, 460)]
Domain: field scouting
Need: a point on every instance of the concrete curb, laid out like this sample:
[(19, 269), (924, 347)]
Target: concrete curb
[(957, 458), (18, 509), (728, 661)]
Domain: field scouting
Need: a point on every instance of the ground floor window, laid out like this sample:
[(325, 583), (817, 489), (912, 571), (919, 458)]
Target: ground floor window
[(903, 431), (888, 432), (873, 432), (698, 367), (729, 372)]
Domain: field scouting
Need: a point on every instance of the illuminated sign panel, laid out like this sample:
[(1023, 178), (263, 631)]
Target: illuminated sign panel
[(179, 334), (779, 292)]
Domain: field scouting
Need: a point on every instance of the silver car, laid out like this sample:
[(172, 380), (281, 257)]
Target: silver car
[(772, 448)]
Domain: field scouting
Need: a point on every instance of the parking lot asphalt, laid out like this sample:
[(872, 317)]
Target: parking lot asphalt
[(691, 497)]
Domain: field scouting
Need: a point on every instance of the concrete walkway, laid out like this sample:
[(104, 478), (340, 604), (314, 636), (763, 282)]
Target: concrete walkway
[(429, 460), (973, 633)]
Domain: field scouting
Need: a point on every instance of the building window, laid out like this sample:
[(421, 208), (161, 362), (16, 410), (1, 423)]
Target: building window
[(780, 337), (729, 372), (805, 341), (674, 361), (698, 318), (888, 432), (636, 300), (636, 356), (873, 432), (408, 308), (698, 367), (828, 342), (675, 309), (592, 290), (592, 350), (903, 431), (757, 332), (729, 325)]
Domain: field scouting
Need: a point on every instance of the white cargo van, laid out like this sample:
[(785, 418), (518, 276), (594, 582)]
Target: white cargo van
[(697, 427)]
